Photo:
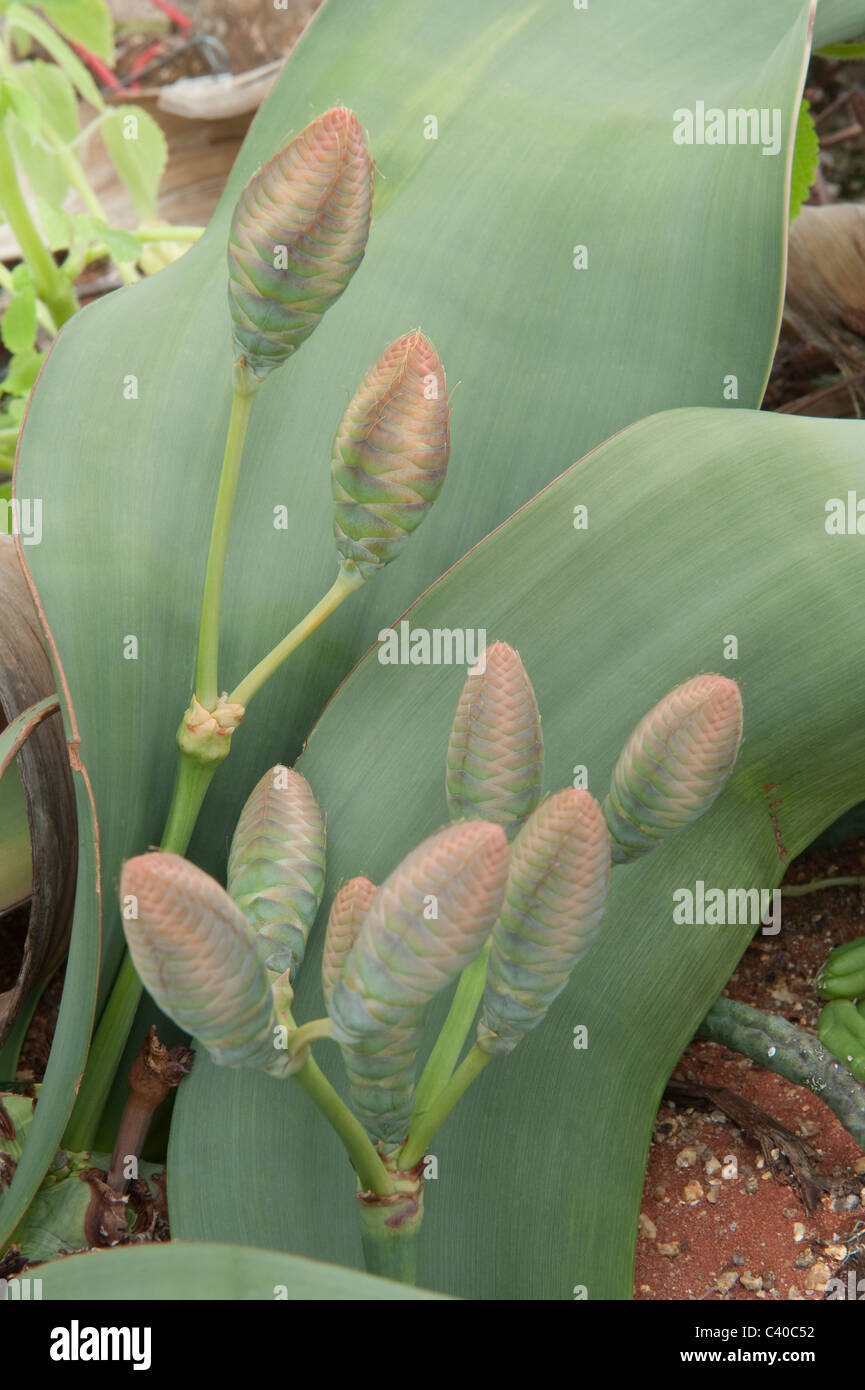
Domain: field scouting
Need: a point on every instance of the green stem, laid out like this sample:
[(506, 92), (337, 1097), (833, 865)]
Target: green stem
[(51, 285), (190, 788), (346, 582), (390, 1256), (168, 233), (367, 1162), (450, 1041), (423, 1127), (313, 1031), (206, 680), (105, 1052), (798, 890)]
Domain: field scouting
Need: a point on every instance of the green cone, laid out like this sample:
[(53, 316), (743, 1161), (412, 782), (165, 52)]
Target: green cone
[(390, 455), (554, 902), (674, 765), (347, 912), (197, 956), (298, 234), (495, 757), (428, 920), (276, 866)]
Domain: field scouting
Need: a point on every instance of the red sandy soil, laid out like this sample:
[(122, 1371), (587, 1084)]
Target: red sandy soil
[(703, 1236)]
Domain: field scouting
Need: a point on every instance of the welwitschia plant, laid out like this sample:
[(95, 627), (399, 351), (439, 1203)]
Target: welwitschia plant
[(297, 237), (510, 923)]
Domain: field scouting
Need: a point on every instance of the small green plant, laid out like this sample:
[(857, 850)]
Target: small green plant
[(841, 1026), (41, 139), (509, 923)]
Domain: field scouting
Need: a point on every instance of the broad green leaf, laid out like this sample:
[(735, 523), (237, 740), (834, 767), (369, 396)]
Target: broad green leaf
[(18, 17), (139, 151), (472, 237), (806, 160), (87, 22), (837, 20), (702, 524), (203, 1273), (18, 327)]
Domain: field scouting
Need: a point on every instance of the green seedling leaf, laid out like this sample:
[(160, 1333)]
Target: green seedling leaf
[(139, 151), (53, 91), (13, 413), (849, 51), (55, 95), (18, 327), (806, 160), (55, 223), (16, 100), (123, 246), (20, 18), (22, 373), (86, 22)]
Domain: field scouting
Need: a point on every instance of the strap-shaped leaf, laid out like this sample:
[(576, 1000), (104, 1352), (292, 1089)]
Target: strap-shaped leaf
[(297, 236), (390, 455), (276, 866), (674, 764), (347, 912), (428, 920), (197, 956), (554, 901), (495, 757)]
